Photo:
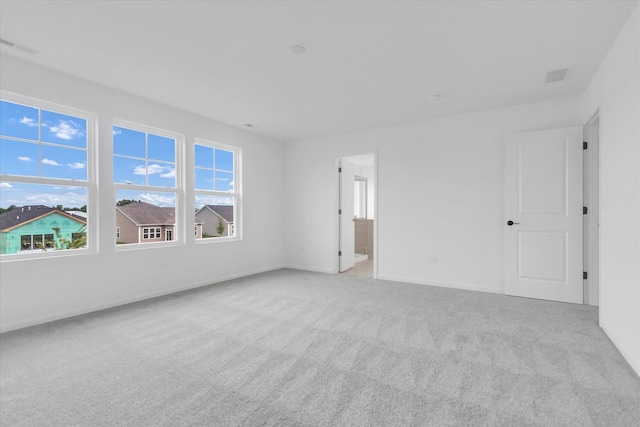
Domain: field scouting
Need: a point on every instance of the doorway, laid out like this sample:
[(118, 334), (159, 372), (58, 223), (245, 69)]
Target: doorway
[(357, 215)]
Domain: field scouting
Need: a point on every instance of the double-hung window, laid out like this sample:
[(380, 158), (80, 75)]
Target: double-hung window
[(146, 166), (217, 195), (47, 177)]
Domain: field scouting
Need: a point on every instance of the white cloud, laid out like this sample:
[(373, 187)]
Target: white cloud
[(117, 131), (76, 165), (153, 169), (25, 159), (164, 171), (140, 170), (50, 162), (66, 129), (158, 200), (5, 185), (28, 121), (170, 174)]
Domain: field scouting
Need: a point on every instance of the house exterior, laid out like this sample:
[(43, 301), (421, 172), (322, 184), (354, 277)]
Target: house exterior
[(141, 222), (210, 216), (31, 228)]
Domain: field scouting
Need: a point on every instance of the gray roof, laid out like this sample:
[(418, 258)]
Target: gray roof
[(143, 213), (15, 217), (225, 211)]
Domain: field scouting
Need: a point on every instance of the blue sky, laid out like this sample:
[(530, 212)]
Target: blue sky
[(143, 158), (41, 143), (213, 168)]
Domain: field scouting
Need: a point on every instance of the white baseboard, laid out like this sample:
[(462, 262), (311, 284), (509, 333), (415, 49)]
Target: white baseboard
[(460, 286), (634, 365), (312, 269), (142, 297)]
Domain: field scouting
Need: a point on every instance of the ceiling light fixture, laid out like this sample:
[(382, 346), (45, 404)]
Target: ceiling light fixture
[(298, 49), (435, 97)]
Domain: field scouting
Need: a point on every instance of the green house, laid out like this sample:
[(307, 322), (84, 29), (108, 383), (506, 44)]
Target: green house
[(31, 228)]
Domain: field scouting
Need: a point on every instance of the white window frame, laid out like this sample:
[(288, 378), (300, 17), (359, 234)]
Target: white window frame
[(178, 189), (236, 194), (90, 183)]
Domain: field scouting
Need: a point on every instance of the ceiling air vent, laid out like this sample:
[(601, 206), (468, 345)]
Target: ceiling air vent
[(556, 75), (12, 45), (7, 43)]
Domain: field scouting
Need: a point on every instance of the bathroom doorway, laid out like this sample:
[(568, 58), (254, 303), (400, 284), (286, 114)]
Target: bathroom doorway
[(357, 215)]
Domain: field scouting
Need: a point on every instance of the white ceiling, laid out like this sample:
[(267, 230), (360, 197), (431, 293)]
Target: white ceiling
[(368, 64)]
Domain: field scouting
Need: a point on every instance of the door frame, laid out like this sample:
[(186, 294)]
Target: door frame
[(591, 199), (335, 217)]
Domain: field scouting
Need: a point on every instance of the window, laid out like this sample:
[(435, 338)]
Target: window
[(146, 162), (36, 242), (46, 176), (151, 233), (360, 197), (217, 199)]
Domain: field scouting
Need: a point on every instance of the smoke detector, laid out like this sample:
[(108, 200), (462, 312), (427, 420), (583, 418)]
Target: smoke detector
[(11, 45), (556, 75)]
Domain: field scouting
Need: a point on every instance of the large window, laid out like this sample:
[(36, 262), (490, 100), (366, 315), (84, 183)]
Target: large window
[(46, 176), (145, 166), (217, 199)]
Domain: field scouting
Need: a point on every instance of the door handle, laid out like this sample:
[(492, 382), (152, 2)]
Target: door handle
[(510, 223)]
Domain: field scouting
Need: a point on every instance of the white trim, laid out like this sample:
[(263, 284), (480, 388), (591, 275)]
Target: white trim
[(90, 184), (118, 302), (178, 190), (236, 194), (311, 269), (335, 247), (591, 229)]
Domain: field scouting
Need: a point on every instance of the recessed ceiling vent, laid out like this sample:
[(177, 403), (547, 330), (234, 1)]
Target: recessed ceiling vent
[(556, 75), (12, 45)]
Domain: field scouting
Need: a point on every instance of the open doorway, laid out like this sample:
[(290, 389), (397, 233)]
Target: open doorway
[(357, 215)]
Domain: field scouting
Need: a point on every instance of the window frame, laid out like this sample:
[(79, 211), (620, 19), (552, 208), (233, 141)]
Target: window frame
[(178, 190), (90, 184), (236, 194)]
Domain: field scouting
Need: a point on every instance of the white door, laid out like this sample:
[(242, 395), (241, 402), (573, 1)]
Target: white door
[(347, 224), (543, 215)]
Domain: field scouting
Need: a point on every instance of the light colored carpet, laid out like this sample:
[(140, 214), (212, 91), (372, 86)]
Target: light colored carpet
[(297, 348)]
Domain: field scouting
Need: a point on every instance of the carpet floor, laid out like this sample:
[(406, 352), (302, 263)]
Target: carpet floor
[(293, 348)]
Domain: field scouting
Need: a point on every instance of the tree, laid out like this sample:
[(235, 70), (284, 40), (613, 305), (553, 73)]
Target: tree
[(3, 210), (78, 240), (124, 202), (220, 227)]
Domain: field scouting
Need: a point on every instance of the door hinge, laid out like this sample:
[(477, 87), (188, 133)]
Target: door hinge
[(339, 253), (339, 170), (584, 145), (584, 275), (339, 211), (584, 210)]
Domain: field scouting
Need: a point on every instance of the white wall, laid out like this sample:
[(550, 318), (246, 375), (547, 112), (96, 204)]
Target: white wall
[(33, 291), (440, 194), (615, 93)]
